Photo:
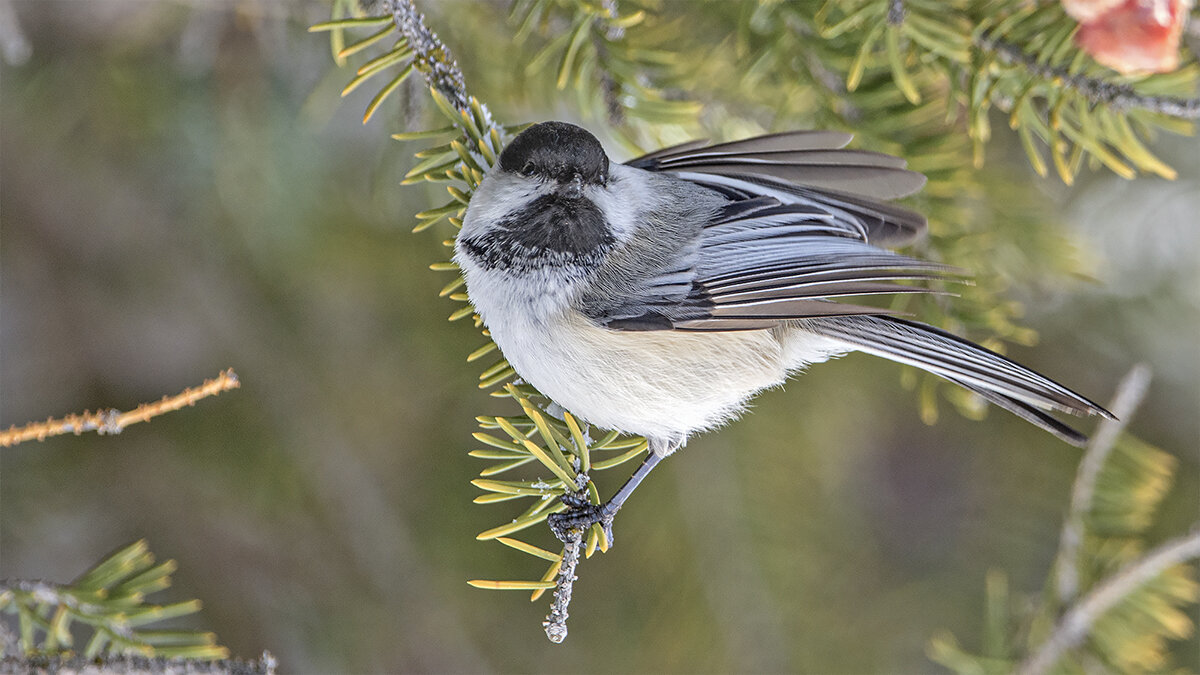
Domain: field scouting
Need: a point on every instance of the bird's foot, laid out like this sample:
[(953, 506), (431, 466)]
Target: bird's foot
[(579, 516)]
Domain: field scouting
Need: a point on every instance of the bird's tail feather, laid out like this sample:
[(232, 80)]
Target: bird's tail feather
[(997, 379)]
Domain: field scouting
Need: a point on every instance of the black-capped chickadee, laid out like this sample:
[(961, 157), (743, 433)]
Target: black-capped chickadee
[(656, 297)]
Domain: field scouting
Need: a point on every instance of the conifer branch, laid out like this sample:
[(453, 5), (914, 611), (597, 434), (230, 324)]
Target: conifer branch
[(1128, 397), (1120, 97), (431, 56), (1076, 624), (113, 421), (109, 600), (608, 60)]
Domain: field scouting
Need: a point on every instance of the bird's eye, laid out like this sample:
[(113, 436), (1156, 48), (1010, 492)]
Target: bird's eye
[(527, 169)]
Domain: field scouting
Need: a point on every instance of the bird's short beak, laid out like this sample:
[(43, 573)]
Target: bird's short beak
[(572, 188)]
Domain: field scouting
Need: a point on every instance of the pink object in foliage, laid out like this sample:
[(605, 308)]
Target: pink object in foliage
[(1131, 36)]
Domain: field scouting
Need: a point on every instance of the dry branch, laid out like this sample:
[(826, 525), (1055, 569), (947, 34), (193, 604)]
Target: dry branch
[(113, 421)]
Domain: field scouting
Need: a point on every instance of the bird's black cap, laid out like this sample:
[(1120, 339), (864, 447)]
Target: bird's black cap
[(558, 151)]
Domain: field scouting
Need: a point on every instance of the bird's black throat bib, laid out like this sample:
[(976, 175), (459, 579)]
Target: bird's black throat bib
[(553, 229)]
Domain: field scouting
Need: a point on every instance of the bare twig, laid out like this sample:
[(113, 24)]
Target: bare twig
[(1118, 96), (1077, 623), (1130, 393), (136, 663), (113, 421), (556, 623)]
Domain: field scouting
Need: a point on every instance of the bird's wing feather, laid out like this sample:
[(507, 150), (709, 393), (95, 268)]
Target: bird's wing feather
[(780, 245), (803, 167), (755, 264), (874, 181), (788, 140), (882, 224)]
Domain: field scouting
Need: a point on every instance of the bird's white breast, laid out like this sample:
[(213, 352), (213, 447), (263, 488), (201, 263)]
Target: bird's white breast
[(660, 384)]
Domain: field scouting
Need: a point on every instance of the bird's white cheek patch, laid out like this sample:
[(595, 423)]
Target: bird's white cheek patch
[(499, 195), (624, 200)]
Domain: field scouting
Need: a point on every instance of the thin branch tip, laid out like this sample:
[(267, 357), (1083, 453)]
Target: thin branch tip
[(564, 586), (1129, 395), (110, 421)]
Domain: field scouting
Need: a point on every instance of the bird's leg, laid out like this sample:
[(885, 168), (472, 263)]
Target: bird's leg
[(582, 514)]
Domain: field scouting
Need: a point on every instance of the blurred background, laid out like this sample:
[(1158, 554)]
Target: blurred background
[(182, 190)]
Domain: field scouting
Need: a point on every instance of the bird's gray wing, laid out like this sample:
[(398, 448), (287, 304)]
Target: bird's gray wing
[(804, 168), (794, 222), (750, 264)]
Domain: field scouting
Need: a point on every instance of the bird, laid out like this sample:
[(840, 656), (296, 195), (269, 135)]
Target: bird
[(656, 297)]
